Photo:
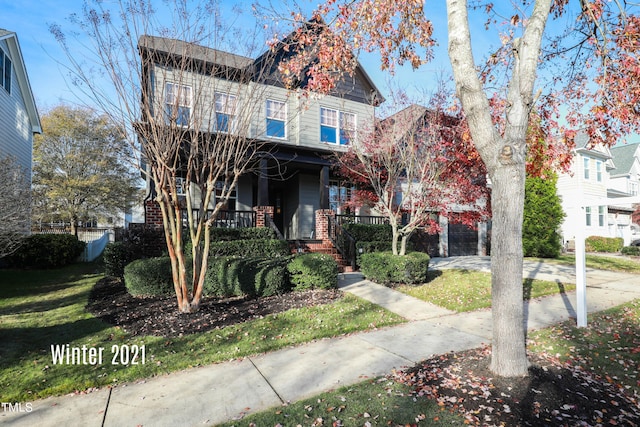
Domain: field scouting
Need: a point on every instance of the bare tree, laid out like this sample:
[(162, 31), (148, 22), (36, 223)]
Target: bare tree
[(418, 164), (15, 203), (185, 105)]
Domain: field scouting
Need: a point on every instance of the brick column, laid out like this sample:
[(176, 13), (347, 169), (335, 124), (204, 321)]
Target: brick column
[(260, 212), (152, 214), (322, 223)]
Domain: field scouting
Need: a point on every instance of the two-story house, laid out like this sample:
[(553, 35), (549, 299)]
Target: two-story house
[(298, 133), (19, 119), (625, 182), (599, 174)]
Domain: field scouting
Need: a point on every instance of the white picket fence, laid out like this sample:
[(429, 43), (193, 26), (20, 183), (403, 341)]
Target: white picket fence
[(94, 248)]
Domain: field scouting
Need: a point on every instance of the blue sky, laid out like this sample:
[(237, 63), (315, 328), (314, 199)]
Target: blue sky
[(30, 19)]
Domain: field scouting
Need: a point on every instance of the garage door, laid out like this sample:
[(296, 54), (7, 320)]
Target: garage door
[(463, 240)]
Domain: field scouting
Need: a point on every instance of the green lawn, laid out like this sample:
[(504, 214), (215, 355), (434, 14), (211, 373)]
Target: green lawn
[(467, 290), (44, 308)]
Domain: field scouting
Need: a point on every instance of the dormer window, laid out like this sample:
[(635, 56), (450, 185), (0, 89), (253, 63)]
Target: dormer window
[(178, 104), (225, 111)]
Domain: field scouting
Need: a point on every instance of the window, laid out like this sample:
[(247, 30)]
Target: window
[(337, 126), (5, 71), (601, 213), (230, 205), (633, 188), (347, 127), (339, 196), (178, 104), (276, 119), (225, 111), (586, 168), (587, 211), (599, 170), (181, 186)]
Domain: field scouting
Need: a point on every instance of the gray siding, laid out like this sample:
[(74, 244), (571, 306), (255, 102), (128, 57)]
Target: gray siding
[(16, 138)]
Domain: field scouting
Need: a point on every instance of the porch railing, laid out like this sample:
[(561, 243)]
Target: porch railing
[(343, 241), (269, 221), (227, 218), (342, 219)]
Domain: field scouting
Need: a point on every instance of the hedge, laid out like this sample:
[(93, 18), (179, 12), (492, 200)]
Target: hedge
[(369, 232), (250, 248), (603, 244), (631, 250), (254, 277), (386, 268), (266, 233), (149, 277), (47, 251), (313, 271), (116, 256)]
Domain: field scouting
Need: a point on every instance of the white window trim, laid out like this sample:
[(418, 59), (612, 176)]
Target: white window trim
[(185, 99), (229, 110), (283, 120), (339, 126)]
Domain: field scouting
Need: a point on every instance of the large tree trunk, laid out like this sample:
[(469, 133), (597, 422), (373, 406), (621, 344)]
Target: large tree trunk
[(504, 157), (508, 357)]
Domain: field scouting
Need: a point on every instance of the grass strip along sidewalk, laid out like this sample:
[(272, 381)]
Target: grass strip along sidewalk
[(44, 308)]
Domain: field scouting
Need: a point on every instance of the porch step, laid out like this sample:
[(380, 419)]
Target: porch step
[(321, 247)]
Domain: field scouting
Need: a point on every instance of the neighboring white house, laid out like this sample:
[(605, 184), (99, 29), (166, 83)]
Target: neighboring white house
[(598, 173), (19, 119)]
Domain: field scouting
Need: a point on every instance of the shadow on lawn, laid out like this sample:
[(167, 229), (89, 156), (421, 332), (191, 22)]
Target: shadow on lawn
[(19, 343)]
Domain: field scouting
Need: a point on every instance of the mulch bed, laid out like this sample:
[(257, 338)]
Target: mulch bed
[(159, 316), (553, 394)]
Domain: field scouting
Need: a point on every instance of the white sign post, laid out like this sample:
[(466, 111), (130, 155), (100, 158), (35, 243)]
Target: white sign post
[(581, 269)]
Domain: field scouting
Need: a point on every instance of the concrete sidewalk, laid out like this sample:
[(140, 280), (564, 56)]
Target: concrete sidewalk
[(218, 393)]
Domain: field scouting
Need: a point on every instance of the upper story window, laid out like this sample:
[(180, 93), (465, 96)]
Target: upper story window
[(225, 111), (276, 119), (586, 168), (178, 103), (633, 188), (337, 127), (599, 170), (5, 71)]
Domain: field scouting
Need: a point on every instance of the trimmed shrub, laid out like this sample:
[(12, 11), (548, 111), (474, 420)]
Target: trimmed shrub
[(149, 277), (603, 244), (369, 232), (313, 271), (386, 268), (543, 216), (47, 251), (250, 248), (219, 234), (631, 250), (257, 276), (116, 256)]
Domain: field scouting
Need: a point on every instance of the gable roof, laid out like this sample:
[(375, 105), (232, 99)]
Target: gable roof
[(11, 39), (263, 68), (623, 157)]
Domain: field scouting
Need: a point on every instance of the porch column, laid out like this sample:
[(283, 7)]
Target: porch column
[(263, 184), (322, 223), (324, 187)]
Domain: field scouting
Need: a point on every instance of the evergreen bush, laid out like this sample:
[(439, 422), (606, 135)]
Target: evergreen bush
[(631, 250), (116, 256), (149, 277), (47, 251), (543, 216), (603, 244), (254, 277), (250, 248), (386, 268), (313, 271)]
